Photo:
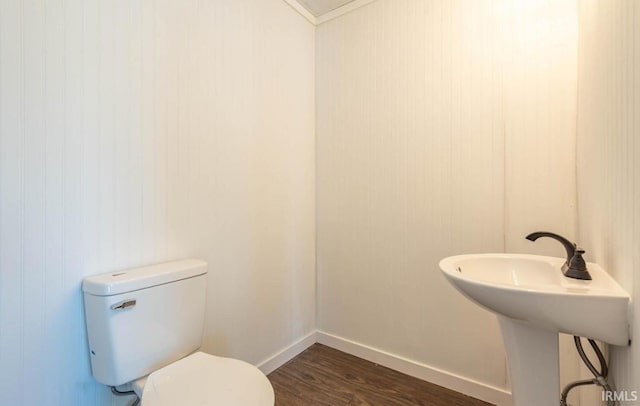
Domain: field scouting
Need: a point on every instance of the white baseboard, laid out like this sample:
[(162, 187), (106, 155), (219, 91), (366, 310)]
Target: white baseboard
[(469, 387), (279, 359)]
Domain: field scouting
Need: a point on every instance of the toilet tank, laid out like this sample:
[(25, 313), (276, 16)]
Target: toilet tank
[(139, 320)]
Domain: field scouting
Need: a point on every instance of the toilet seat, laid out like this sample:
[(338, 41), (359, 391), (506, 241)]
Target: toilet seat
[(205, 380)]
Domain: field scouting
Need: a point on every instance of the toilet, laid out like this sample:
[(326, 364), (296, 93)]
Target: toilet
[(145, 327)]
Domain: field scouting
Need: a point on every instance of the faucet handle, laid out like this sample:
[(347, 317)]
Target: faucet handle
[(577, 266)]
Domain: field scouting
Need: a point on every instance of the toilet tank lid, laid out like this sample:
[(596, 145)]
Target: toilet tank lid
[(115, 283)]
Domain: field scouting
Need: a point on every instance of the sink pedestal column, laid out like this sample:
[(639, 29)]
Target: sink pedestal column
[(532, 356)]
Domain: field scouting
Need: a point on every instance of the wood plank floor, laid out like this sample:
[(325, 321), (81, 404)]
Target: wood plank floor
[(322, 376)]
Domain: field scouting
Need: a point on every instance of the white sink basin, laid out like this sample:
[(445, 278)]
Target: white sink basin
[(532, 288), (534, 301)]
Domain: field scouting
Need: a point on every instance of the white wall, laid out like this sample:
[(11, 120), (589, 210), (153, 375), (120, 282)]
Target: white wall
[(608, 157), (138, 132), (444, 127), (540, 72), (133, 132)]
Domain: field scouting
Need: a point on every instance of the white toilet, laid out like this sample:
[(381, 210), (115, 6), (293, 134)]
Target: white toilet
[(144, 325)]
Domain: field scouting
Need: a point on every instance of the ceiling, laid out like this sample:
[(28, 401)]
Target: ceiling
[(320, 7)]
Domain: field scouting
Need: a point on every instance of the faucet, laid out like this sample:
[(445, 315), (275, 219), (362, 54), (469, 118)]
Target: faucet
[(575, 266)]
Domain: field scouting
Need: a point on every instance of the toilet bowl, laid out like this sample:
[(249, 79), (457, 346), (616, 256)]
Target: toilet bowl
[(144, 327), (203, 379)]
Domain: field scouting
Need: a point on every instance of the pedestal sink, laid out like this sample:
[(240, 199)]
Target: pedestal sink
[(534, 302)]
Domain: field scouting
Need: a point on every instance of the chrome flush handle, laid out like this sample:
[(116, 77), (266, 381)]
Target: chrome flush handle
[(125, 304)]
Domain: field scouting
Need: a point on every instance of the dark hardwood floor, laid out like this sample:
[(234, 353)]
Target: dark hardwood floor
[(322, 376)]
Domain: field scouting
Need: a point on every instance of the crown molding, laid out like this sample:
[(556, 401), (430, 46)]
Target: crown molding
[(342, 10), (302, 11), (347, 8)]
